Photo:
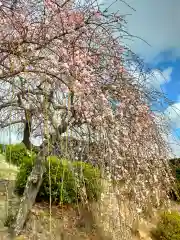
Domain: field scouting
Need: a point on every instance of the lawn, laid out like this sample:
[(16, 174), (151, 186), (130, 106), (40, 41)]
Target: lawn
[(7, 171)]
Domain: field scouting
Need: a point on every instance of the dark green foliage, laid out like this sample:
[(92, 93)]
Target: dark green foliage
[(175, 165), (35, 149), (15, 153), (1, 148), (168, 227), (175, 192), (24, 172), (9, 221), (63, 180)]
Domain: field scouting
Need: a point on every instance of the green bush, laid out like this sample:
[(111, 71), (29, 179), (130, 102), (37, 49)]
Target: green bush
[(175, 191), (1, 148), (24, 171), (63, 180), (15, 153), (168, 227)]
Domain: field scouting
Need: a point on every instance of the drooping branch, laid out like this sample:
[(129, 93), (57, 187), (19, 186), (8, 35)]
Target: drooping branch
[(83, 57)]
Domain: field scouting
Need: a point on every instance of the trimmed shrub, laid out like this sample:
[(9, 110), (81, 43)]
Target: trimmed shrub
[(63, 180), (24, 172), (168, 227), (15, 153)]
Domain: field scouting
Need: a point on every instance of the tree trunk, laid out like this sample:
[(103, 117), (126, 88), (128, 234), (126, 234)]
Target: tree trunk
[(26, 136), (34, 181), (31, 190), (27, 130)]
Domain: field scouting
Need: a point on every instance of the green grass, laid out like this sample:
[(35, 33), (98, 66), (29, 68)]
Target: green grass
[(7, 171)]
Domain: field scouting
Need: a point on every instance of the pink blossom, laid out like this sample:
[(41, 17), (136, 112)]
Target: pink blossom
[(85, 58), (121, 69), (76, 17), (97, 14), (152, 114), (121, 49), (65, 65)]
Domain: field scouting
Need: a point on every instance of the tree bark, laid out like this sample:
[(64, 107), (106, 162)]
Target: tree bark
[(31, 190), (26, 136), (27, 130)]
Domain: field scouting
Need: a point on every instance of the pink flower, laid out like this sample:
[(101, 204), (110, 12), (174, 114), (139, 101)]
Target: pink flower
[(152, 115), (65, 89), (121, 70), (97, 14), (65, 65), (48, 3), (102, 96), (76, 18), (29, 67), (121, 49)]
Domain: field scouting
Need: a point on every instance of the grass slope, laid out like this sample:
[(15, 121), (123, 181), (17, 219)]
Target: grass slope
[(7, 178)]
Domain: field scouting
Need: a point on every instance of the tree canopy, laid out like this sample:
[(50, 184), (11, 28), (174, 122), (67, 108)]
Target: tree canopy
[(60, 64)]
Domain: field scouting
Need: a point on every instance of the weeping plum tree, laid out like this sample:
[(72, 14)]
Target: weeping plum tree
[(61, 64)]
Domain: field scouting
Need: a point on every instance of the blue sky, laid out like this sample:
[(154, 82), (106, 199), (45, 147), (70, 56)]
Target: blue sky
[(171, 88), (157, 22)]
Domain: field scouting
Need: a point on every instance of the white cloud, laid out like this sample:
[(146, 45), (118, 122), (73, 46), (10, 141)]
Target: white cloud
[(172, 114), (156, 22), (157, 78), (174, 143), (154, 79)]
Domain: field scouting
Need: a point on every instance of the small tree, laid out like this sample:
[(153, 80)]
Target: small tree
[(62, 64)]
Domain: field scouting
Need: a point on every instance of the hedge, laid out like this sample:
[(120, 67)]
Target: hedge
[(63, 180), (15, 153), (168, 227), (1, 148)]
